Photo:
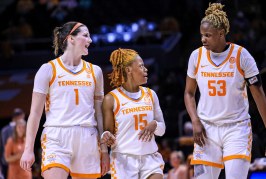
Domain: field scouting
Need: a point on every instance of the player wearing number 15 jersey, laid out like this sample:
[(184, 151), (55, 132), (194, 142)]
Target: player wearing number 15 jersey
[(132, 116), (221, 123)]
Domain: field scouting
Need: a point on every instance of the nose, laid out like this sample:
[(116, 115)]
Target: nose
[(90, 40), (203, 39), (145, 69)]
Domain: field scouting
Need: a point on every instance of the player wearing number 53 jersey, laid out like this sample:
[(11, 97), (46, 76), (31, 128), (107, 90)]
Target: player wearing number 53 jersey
[(221, 123), (132, 116)]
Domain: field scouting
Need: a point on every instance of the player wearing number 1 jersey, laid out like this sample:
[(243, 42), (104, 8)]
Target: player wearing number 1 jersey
[(72, 91), (221, 123), (132, 116)]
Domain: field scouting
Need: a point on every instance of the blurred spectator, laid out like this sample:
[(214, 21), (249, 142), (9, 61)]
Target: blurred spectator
[(1, 175), (7, 132), (85, 4), (165, 150), (24, 29), (186, 142), (6, 47), (190, 168), (179, 170), (169, 25), (24, 6), (13, 151), (258, 164), (59, 14)]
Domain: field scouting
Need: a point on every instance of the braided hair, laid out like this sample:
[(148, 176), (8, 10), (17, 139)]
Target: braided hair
[(216, 17), (120, 59)]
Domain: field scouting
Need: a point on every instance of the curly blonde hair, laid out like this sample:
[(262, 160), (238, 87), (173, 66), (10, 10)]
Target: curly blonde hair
[(216, 17), (120, 59)]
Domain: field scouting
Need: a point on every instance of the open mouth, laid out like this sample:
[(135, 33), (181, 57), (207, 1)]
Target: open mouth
[(87, 46)]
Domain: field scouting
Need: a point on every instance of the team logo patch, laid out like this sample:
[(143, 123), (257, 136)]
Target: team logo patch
[(253, 80), (147, 98), (88, 71), (232, 60)]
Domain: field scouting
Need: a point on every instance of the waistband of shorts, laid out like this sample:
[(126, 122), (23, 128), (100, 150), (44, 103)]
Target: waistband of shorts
[(75, 125), (224, 124)]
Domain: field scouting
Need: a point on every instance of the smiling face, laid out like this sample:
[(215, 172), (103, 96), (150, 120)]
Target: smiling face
[(82, 41), (137, 73), (212, 38)]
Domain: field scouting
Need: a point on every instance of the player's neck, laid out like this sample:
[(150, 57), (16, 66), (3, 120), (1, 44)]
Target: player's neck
[(130, 88), (70, 59)]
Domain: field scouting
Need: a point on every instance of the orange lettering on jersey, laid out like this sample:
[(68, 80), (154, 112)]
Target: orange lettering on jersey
[(74, 83), (137, 109), (217, 74)]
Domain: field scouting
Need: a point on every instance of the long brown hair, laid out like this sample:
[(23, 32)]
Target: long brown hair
[(61, 34)]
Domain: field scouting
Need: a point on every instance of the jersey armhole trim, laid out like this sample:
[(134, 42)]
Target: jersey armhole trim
[(150, 93), (238, 61), (93, 74), (198, 61), (117, 103), (54, 73)]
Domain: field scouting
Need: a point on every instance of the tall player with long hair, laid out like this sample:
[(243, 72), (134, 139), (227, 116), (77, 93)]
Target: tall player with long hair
[(71, 90)]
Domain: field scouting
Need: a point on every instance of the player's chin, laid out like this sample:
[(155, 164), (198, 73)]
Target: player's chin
[(144, 81), (85, 52)]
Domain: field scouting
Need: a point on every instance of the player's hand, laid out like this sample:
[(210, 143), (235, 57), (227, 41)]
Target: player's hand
[(147, 133), (105, 163), (108, 138), (27, 159), (199, 133)]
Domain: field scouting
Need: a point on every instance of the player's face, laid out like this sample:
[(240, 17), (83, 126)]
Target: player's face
[(83, 40), (139, 71), (211, 38)]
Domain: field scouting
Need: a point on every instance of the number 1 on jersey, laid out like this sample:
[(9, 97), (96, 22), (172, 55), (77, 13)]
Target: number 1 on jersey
[(140, 123), (77, 96)]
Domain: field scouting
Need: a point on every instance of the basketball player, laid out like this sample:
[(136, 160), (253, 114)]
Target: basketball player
[(72, 91), (221, 123), (132, 116)]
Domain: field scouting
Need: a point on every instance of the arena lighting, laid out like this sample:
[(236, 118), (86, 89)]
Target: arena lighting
[(127, 36), (104, 29), (119, 28), (134, 27), (95, 38), (142, 22), (111, 37), (151, 26)]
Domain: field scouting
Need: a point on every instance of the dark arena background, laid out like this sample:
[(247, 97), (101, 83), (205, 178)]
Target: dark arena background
[(164, 32)]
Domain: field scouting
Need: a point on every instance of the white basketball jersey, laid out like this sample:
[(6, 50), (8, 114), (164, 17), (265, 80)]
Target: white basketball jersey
[(223, 93), (70, 100), (131, 116)]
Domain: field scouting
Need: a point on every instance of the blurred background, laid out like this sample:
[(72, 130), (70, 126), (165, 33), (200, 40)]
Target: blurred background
[(164, 32)]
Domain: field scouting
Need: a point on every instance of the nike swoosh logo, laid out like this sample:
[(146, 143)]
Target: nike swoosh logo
[(202, 66), (124, 104), (60, 76)]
